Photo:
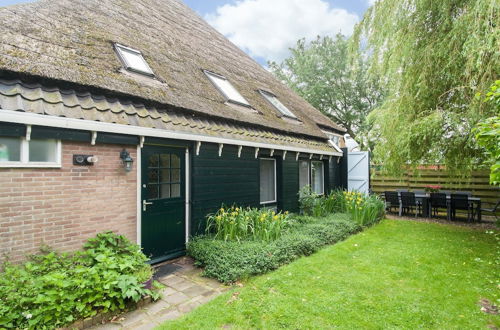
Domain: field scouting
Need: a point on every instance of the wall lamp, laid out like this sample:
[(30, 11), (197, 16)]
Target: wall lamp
[(127, 160)]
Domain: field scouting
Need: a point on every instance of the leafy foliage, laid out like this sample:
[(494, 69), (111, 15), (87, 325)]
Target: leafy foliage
[(323, 74), (488, 134), (228, 261), (362, 209), (52, 290), (237, 223), (434, 57)]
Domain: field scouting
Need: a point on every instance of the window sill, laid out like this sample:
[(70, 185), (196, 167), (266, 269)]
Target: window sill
[(267, 203), (30, 165)]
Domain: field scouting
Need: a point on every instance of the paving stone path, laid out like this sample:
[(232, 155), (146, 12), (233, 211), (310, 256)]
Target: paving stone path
[(185, 289)]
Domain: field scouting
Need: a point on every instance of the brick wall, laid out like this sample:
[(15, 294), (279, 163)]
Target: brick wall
[(65, 206)]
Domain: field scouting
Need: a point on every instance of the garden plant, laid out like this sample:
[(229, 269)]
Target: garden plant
[(52, 290)]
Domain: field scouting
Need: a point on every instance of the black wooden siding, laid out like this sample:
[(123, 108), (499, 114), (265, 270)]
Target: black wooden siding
[(222, 180)]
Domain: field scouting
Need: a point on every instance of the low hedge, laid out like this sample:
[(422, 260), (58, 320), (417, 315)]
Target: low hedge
[(228, 261), (52, 290)]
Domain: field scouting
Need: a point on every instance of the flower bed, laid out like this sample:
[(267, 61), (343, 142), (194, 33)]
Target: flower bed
[(52, 290), (228, 261)]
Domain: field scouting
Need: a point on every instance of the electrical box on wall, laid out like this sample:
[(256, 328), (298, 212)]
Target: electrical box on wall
[(84, 160)]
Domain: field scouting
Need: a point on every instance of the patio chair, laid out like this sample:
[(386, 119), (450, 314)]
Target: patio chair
[(493, 210), (461, 202), (438, 201), (391, 200), (408, 203)]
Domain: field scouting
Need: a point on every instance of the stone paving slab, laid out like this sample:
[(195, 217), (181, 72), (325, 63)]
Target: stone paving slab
[(185, 290)]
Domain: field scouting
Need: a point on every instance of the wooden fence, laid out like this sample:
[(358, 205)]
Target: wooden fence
[(477, 183)]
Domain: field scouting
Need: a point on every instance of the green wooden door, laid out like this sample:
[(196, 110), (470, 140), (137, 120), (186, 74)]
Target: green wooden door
[(163, 198)]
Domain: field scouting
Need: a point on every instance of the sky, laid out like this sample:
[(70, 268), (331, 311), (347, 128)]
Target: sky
[(266, 29)]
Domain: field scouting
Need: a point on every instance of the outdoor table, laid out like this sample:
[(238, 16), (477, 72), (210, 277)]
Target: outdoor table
[(426, 210)]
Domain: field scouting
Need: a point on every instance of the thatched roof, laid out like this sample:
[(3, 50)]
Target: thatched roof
[(71, 41)]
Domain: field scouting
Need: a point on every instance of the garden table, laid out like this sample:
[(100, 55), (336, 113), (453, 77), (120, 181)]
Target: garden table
[(426, 209)]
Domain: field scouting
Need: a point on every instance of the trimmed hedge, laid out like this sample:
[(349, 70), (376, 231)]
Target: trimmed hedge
[(229, 261)]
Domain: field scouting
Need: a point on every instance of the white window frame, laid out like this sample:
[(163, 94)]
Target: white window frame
[(24, 161), (322, 175), (267, 95), (275, 183), (212, 76), (126, 65)]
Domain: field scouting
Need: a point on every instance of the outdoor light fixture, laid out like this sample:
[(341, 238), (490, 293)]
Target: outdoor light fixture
[(127, 160)]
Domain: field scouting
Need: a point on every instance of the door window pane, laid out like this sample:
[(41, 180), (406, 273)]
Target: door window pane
[(152, 191), (10, 149), (176, 190), (176, 161), (317, 183), (153, 161), (303, 173), (165, 175), (176, 176), (153, 176), (267, 180), (165, 191), (165, 160)]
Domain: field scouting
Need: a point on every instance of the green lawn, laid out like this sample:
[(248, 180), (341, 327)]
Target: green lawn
[(398, 274)]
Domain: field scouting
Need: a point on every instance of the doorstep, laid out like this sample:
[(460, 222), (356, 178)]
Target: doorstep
[(185, 289)]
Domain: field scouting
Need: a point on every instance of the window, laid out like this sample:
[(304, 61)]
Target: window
[(317, 177), (312, 173), (271, 98), (132, 60), (18, 152), (225, 87), (267, 180), (164, 176), (303, 173)]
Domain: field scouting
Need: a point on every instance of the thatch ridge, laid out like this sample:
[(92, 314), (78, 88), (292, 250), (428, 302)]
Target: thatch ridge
[(71, 40)]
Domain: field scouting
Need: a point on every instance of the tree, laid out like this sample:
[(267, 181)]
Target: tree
[(323, 73), (488, 134), (434, 57)]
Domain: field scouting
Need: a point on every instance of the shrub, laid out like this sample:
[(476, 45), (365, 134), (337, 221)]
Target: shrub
[(235, 224), (52, 289), (228, 261)]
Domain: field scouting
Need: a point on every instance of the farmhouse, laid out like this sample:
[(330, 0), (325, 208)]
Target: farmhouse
[(136, 116)]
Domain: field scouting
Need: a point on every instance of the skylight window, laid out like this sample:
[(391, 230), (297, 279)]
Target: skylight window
[(277, 104), (225, 87), (132, 60)]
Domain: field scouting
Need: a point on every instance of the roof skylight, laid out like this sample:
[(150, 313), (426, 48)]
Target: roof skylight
[(225, 87), (132, 60), (277, 104)]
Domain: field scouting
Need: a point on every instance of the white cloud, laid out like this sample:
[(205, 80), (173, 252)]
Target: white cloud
[(371, 2), (267, 29)]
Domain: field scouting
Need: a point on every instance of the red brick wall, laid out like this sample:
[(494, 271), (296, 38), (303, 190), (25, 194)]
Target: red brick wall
[(63, 207)]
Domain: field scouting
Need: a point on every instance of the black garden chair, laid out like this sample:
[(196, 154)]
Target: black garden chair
[(494, 210), (408, 203), (461, 202), (391, 200), (438, 201)]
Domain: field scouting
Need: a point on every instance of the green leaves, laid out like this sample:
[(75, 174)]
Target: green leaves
[(52, 290), (435, 56), (324, 73)]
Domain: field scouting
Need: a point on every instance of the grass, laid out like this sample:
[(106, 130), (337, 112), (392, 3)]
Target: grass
[(398, 274)]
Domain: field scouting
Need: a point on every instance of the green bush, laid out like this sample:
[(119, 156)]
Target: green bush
[(228, 261), (52, 290), (235, 223)]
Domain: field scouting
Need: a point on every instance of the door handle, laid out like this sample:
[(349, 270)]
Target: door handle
[(144, 204)]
